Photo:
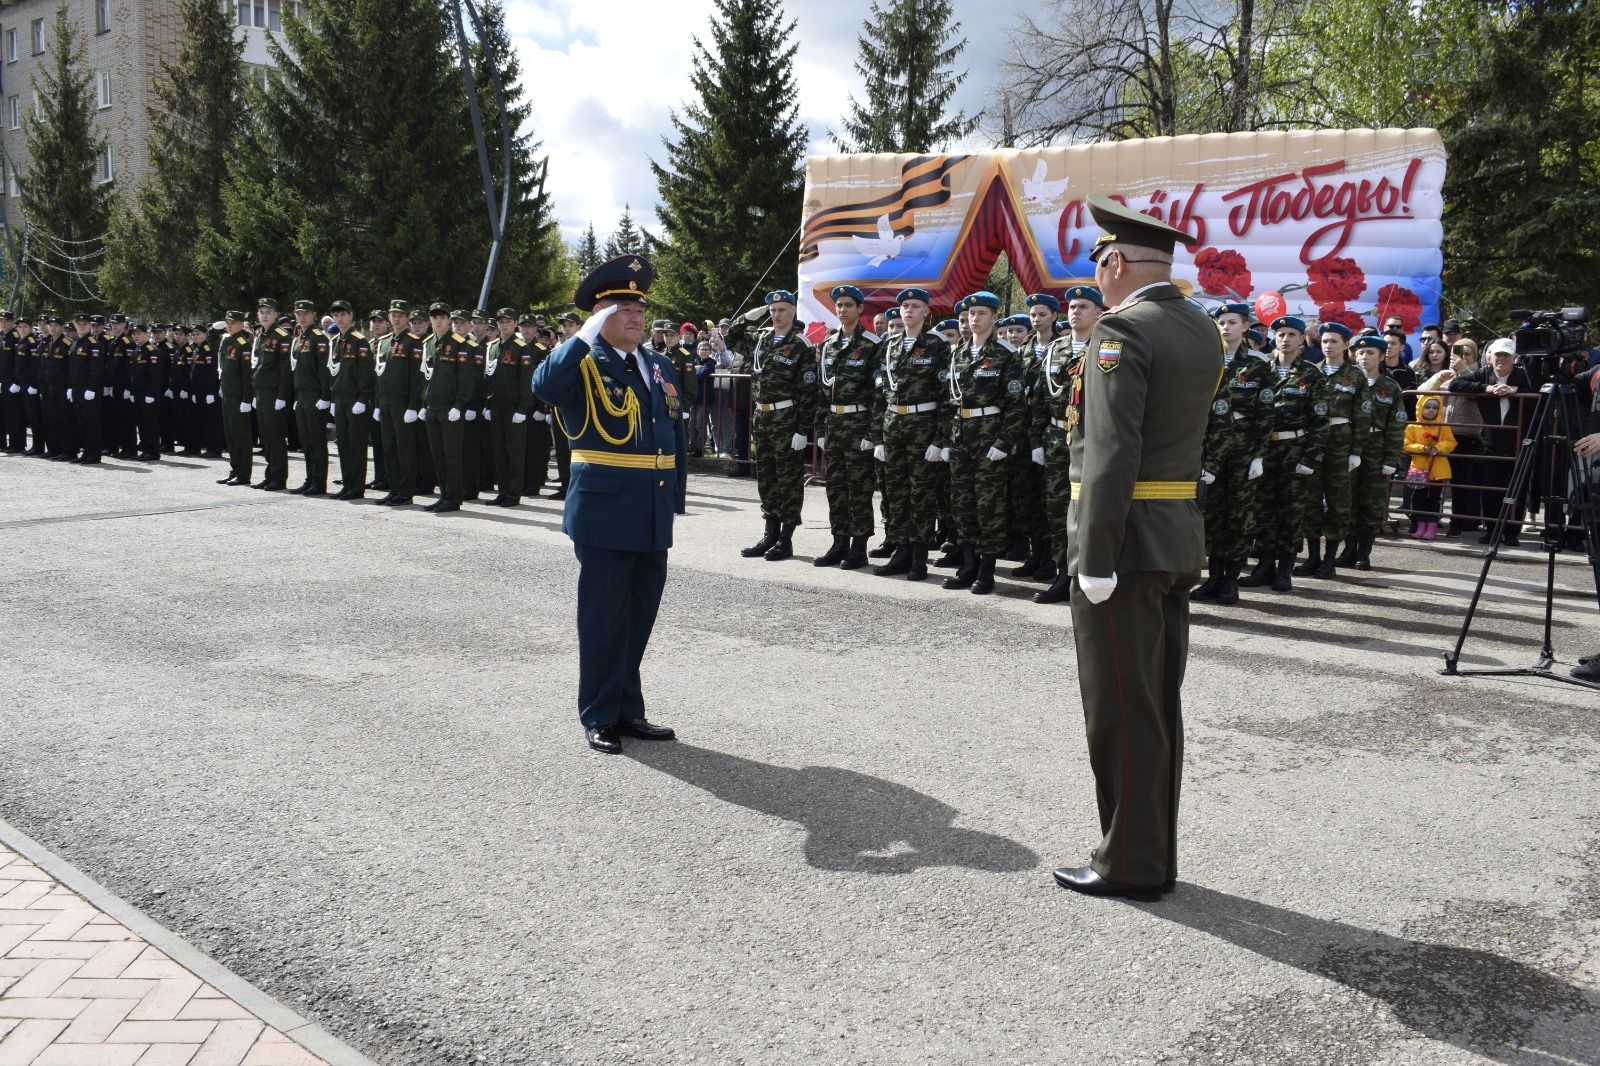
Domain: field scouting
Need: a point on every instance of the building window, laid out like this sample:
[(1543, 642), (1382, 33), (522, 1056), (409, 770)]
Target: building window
[(38, 37), (12, 183), (14, 112), (104, 167), (11, 46), (102, 16), (105, 89), (38, 108)]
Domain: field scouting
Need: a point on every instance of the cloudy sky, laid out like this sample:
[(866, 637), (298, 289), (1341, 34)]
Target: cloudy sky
[(602, 78)]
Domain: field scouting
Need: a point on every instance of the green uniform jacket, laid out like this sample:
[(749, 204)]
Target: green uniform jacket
[(510, 372), (1386, 430), (917, 376), (352, 374), (538, 355), (398, 370), (235, 373), (1300, 405), (1032, 384), (1052, 400), (683, 361), (779, 370), (1346, 391), (1149, 372), (850, 370), (448, 365), (991, 377), (308, 360), (1242, 408), (271, 359)]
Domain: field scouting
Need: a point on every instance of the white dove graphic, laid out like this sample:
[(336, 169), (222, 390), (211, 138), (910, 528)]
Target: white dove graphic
[(885, 246), (1036, 189)]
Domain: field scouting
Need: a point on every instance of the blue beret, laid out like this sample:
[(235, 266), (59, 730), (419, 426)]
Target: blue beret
[(961, 305), (842, 291), (1288, 322), (625, 277), (893, 312), (1044, 299), (1017, 320), (1368, 340), (1340, 328), (1255, 335), (913, 294), (948, 323), (984, 299), (1084, 292), (781, 296), (1243, 310)]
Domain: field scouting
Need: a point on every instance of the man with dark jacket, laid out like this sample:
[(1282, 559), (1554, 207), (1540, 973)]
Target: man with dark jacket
[(1495, 385)]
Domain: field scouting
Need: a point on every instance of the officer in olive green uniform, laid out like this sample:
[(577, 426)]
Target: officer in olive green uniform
[(272, 382), (398, 367), (237, 396), (1381, 452), (313, 391), (783, 385), (509, 368), (448, 365), (1346, 433), (849, 427), (1136, 545), (352, 384)]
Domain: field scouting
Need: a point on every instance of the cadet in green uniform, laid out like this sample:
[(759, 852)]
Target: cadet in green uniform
[(1053, 410), (1136, 544), (447, 364), (1380, 454), (477, 460), (377, 331), (313, 390), (988, 415), (237, 396), (916, 395), (427, 474), (1342, 441), (1026, 488), (849, 427), (398, 368), (509, 368), (272, 381), (352, 385), (1237, 440), (783, 384)]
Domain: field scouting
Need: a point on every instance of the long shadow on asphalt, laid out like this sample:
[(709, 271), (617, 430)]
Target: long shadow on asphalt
[(1473, 999), (854, 822)]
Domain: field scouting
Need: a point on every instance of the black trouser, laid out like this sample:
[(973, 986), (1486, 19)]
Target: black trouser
[(509, 441), (171, 420), (380, 463), (208, 417), (149, 423), (313, 424), (427, 470), (274, 436), (61, 421), (399, 450), (539, 443), (472, 436), (16, 418), (91, 427), (33, 406), (350, 433), (445, 442), (236, 433)]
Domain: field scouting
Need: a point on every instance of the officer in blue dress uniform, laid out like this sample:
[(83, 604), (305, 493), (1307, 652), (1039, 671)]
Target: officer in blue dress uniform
[(620, 405)]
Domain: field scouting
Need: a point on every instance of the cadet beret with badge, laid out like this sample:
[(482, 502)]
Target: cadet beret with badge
[(781, 296), (983, 299), (687, 327), (1288, 322), (1020, 321), (1243, 310), (1123, 225), (627, 277), (1043, 299), (1368, 340), (913, 294), (961, 306), (1084, 292), (848, 292), (893, 314), (1339, 328), (948, 323)]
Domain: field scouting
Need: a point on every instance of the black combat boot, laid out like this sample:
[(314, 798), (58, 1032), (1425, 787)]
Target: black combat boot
[(966, 573), (1261, 575), (834, 555), (1228, 590), (899, 563), (1060, 590), (1017, 550), (919, 563), (1364, 552), (762, 546), (856, 558), (1036, 557), (1313, 559), (1281, 579), (984, 583), (1208, 588), (1327, 567), (884, 550), (783, 547), (1352, 545), (1047, 569), (951, 556)]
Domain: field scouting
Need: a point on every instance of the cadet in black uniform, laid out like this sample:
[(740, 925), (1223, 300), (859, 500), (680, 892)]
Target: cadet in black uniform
[(86, 384)]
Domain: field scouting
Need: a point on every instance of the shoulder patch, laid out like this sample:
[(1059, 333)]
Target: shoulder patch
[(1109, 356)]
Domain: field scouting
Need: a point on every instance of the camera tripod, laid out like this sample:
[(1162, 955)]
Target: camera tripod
[(1555, 419)]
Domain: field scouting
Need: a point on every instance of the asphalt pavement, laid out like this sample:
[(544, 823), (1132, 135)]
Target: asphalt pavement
[(335, 747)]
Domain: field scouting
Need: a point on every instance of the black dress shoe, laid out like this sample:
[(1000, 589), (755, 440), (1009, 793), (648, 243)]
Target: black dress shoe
[(605, 739), (349, 494), (445, 507), (400, 501), (645, 729), (559, 494), (272, 486), (1084, 879), (231, 480), (301, 489), (378, 486), (315, 490)]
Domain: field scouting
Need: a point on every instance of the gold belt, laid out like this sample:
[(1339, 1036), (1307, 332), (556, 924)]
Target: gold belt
[(626, 459), (1146, 490)]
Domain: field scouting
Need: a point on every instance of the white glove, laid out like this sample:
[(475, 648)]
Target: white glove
[(279, 405), (32, 391), (246, 408), (69, 396), (994, 455), (323, 405), (422, 413), (167, 394), (944, 455), (1207, 478), (686, 415), (1302, 469), (472, 415), (358, 408), (455, 412), (1097, 589), (127, 394), (932, 454), (879, 454), (755, 313), (866, 445), (108, 390), (16, 388), (149, 399), (183, 394), (1257, 468), (377, 413), (1037, 455), (517, 418), (486, 415), (798, 442), (822, 444), (296, 405), (1388, 471), (1354, 461), (540, 416), (590, 331), (410, 417), (210, 400), (88, 394)]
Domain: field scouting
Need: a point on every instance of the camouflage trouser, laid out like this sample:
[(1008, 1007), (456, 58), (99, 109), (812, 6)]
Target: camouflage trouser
[(780, 469), (978, 488), (1335, 483), (1370, 497), (911, 485), (1057, 489), (1282, 497), (852, 476), (1025, 493), (1232, 504)]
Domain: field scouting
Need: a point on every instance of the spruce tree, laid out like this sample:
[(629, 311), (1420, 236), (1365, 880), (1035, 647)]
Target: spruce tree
[(65, 207), (199, 105), (731, 184), (587, 251), (628, 237), (905, 57)]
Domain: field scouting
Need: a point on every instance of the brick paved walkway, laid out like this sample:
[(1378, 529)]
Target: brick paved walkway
[(79, 989)]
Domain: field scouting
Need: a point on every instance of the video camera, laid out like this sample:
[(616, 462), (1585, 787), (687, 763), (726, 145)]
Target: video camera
[(1551, 334)]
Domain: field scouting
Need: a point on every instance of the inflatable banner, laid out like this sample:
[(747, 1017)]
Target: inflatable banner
[(1344, 224)]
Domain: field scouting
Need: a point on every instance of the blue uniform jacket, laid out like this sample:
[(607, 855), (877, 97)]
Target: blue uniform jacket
[(626, 507)]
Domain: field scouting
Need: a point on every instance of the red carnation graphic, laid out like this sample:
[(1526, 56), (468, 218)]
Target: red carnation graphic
[(1223, 272), (1337, 312), (1335, 279), (816, 333), (1399, 300)]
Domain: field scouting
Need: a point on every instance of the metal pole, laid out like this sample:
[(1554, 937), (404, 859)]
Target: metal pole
[(497, 217)]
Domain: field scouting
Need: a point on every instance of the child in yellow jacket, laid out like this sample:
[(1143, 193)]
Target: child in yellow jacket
[(1428, 442)]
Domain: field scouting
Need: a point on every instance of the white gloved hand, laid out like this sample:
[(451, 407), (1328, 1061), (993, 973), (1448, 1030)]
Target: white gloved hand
[(108, 390), (932, 454), (279, 405), (1257, 468), (686, 415), (455, 412), (878, 453), (540, 416), (590, 330), (1354, 461), (32, 391), (1388, 471), (15, 388), (517, 418), (1207, 478), (149, 399), (88, 394), (183, 394), (246, 408), (410, 417), (755, 313), (1037, 455), (487, 415), (994, 455), (358, 408), (944, 455), (1303, 470), (1097, 589), (822, 444), (127, 394), (69, 396), (377, 413), (472, 415), (167, 394), (798, 442), (866, 445), (323, 405), (422, 413)]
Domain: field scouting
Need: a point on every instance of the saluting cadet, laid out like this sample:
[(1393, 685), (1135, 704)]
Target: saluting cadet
[(1342, 440), (849, 428), (147, 379), (621, 408), (1237, 440), (238, 394), (447, 364), (398, 368), (1380, 454), (1136, 545), (1025, 486), (1054, 414), (86, 384), (783, 384), (509, 368), (272, 383), (916, 372)]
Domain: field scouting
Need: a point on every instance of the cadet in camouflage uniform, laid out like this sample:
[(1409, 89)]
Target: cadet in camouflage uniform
[(916, 371), (398, 367), (509, 368), (1341, 450), (1025, 490), (1288, 491), (352, 383), (988, 416), (1053, 413), (313, 389), (1380, 455), (783, 384), (448, 365), (1237, 440), (849, 428), (237, 396)]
